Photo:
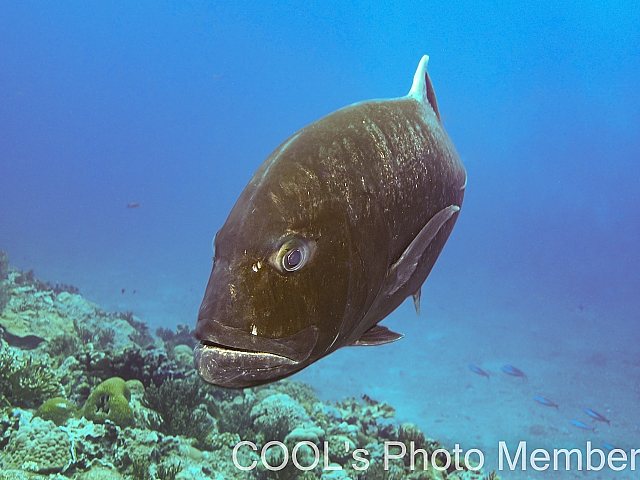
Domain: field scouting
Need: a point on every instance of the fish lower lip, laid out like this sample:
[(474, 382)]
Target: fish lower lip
[(235, 368)]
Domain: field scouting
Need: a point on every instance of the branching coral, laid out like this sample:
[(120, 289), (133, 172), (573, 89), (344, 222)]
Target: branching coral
[(164, 472), (142, 336), (63, 346), (236, 418), (26, 383), (140, 469), (491, 476), (106, 336), (84, 334), (182, 336), (178, 402), (4, 265)]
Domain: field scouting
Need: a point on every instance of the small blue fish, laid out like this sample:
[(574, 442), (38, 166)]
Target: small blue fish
[(597, 416), (546, 402), (582, 425), (479, 371), (610, 447), (516, 372)]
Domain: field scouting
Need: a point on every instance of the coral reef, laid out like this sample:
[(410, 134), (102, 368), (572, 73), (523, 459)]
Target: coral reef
[(146, 414)]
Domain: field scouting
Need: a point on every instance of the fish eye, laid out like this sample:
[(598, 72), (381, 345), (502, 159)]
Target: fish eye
[(292, 255), (292, 260)]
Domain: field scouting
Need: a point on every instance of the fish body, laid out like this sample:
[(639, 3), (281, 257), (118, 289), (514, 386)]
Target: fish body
[(582, 425), (546, 402), (479, 371), (513, 371), (341, 223), (597, 416), (134, 205)]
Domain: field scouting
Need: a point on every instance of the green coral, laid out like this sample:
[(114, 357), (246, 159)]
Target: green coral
[(110, 401), (58, 410)]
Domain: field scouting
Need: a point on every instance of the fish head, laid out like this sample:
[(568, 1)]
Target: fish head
[(282, 277)]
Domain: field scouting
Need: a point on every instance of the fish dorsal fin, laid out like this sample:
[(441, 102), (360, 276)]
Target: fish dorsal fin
[(400, 272), (377, 335), (422, 90)]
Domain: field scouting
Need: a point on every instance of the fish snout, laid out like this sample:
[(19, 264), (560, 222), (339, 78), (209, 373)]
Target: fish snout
[(216, 300)]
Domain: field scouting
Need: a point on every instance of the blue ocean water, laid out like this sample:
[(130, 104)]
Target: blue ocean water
[(173, 105)]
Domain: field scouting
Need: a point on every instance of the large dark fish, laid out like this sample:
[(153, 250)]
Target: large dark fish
[(339, 225)]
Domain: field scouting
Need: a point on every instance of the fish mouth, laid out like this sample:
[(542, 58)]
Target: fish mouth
[(233, 358)]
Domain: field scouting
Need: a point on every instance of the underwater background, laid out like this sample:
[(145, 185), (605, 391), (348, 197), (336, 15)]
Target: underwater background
[(173, 105)]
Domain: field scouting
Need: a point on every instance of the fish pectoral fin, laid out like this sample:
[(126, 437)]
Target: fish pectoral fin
[(401, 271), (377, 335), (416, 300)]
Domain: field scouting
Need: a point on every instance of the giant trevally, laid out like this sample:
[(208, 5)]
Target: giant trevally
[(341, 223)]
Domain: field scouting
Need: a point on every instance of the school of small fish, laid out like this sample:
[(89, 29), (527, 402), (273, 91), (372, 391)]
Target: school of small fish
[(516, 372)]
